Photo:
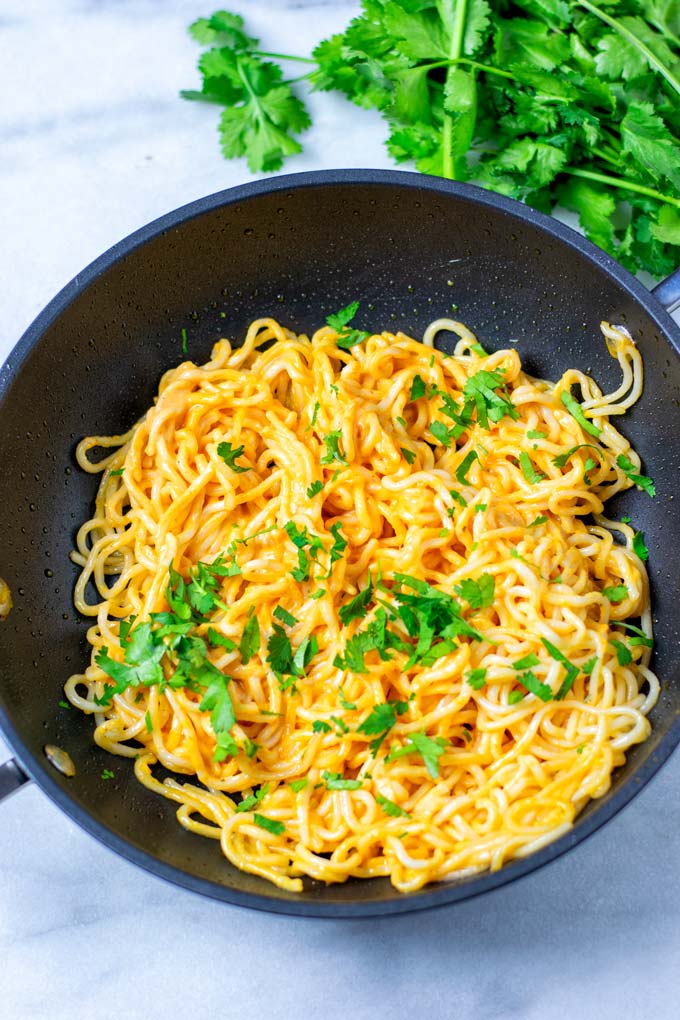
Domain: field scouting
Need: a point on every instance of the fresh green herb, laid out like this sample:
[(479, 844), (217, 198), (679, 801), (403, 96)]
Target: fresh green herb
[(334, 781), (623, 653), (117, 473), (430, 750), (319, 593), (250, 639), (480, 508), (468, 460), (639, 638), (270, 824), (616, 593), (298, 784), (314, 488), (642, 481), (478, 594), (481, 391), (441, 433), (572, 671), (390, 808), (248, 803), (308, 547), (312, 422), (526, 662), (380, 721), (341, 726), (418, 388), (184, 341), (321, 726), (63, 704), (528, 470), (333, 451), (639, 547), (474, 347), (147, 722), (217, 639), (229, 455), (226, 747), (339, 542), (284, 616), (514, 697), (541, 519), (476, 678), (589, 666), (575, 410), (340, 321), (349, 706), (107, 774), (286, 665), (457, 497), (409, 455), (535, 686), (580, 748), (356, 607), (557, 103), (535, 434), (401, 421), (250, 747)]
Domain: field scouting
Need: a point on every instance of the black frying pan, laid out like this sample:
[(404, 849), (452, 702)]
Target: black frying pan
[(298, 248)]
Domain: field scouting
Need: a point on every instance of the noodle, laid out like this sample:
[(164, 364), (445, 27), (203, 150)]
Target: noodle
[(393, 567)]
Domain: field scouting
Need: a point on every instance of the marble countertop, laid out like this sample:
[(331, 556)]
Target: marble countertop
[(94, 144)]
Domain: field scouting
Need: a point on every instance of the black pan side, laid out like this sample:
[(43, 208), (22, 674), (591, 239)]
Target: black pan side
[(296, 247)]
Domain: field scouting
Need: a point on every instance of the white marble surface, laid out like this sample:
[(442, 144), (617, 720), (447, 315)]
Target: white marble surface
[(95, 143)]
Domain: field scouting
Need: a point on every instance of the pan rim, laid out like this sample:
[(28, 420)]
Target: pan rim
[(443, 893)]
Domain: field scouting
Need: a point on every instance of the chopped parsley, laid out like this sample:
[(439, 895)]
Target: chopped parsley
[(339, 542), (528, 470), (468, 460), (478, 594), (314, 488), (349, 706), (312, 420), (147, 722), (250, 639), (430, 750), (380, 721), (333, 450), (514, 697), (356, 607), (541, 519), (390, 808), (572, 671), (639, 547), (298, 784), (117, 473), (481, 391), (639, 636), (248, 803), (339, 321), (563, 458), (107, 774), (183, 333), (334, 781), (535, 686), (270, 824), (229, 454), (623, 653), (642, 481), (576, 411), (418, 388), (284, 616), (321, 726), (409, 455), (526, 662), (535, 434), (616, 593), (476, 678)]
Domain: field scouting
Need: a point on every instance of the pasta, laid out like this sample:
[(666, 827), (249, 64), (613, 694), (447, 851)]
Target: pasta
[(366, 597)]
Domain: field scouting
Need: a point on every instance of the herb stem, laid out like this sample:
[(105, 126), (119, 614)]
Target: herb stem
[(283, 56), (631, 38), (618, 182), (454, 56)]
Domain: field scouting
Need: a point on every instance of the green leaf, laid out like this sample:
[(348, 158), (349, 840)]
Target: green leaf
[(667, 226), (417, 34), (223, 28), (526, 662), (476, 678), (574, 409), (645, 136), (535, 686), (616, 593), (639, 547), (555, 13), (418, 388), (229, 454), (468, 460), (270, 824), (250, 639), (538, 162), (528, 470), (216, 697), (298, 784), (338, 320), (478, 594), (642, 481), (595, 208), (390, 808), (334, 781), (284, 616), (430, 750), (477, 25), (356, 607), (333, 450), (624, 655), (523, 41)]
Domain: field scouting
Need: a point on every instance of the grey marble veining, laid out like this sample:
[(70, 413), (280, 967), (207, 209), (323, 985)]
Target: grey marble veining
[(94, 144)]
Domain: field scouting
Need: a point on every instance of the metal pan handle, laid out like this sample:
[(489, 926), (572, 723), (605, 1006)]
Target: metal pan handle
[(12, 778), (667, 292)]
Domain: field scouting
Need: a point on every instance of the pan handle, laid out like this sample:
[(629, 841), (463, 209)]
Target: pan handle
[(668, 291), (12, 778)]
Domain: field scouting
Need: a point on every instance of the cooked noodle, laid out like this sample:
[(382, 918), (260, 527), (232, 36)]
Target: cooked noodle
[(508, 769)]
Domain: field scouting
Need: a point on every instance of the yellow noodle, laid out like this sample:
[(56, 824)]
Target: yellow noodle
[(513, 774)]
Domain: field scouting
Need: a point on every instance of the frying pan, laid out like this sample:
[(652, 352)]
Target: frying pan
[(298, 247)]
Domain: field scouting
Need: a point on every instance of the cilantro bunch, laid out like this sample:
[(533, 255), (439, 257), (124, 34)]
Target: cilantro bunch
[(557, 103)]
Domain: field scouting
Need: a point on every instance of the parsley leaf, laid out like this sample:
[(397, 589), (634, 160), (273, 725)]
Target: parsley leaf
[(574, 409), (390, 808), (476, 678), (468, 460), (418, 388), (356, 607), (430, 750), (284, 616), (642, 481), (624, 655), (639, 547), (528, 470), (616, 593), (478, 594), (334, 781), (340, 319), (270, 824), (314, 488), (333, 450), (229, 455), (250, 639)]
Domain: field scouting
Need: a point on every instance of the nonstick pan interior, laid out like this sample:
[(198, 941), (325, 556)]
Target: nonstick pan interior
[(411, 249)]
